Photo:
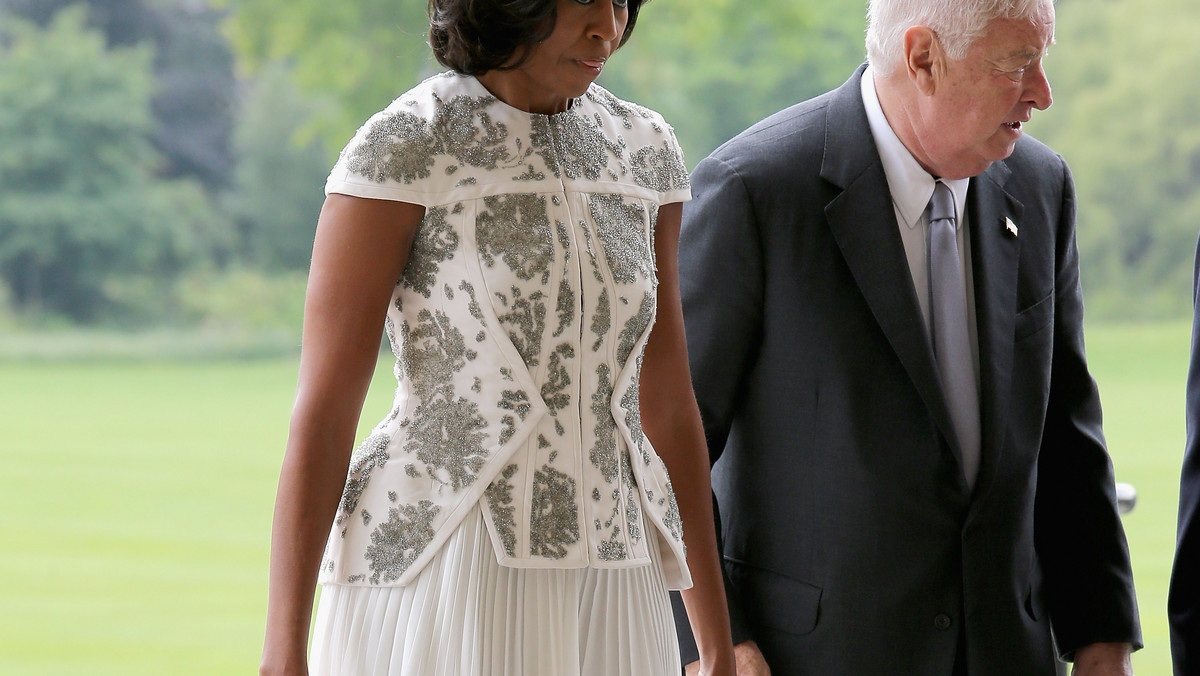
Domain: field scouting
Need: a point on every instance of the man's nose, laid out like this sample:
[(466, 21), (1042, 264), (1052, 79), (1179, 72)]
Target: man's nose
[(1037, 88)]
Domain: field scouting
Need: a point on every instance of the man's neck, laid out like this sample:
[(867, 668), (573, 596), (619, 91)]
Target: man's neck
[(899, 105)]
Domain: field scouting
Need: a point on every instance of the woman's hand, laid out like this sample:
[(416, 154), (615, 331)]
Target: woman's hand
[(748, 659)]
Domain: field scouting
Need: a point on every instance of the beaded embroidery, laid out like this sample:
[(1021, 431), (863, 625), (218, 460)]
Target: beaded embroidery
[(500, 501), (372, 453), (621, 227), (515, 209), (397, 542), (434, 243), (554, 518), (516, 228)]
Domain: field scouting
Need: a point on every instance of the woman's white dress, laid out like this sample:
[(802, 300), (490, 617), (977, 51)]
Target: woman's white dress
[(466, 614), (509, 516)]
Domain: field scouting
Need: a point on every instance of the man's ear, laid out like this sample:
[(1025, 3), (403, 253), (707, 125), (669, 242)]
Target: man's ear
[(923, 58)]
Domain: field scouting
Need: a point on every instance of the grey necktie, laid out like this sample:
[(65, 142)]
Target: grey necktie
[(951, 340)]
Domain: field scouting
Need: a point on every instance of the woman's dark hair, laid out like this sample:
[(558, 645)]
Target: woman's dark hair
[(475, 36)]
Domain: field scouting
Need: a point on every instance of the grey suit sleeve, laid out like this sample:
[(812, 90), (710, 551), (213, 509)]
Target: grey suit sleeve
[(1183, 604), (721, 281), (1079, 538)]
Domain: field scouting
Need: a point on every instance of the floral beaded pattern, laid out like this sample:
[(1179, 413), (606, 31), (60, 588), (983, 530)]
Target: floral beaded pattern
[(403, 147), (399, 541), (435, 243), (518, 326), (500, 499), (554, 521)]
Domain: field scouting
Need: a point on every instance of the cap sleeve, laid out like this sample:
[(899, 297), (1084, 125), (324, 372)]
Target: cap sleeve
[(658, 164), (679, 183), (391, 157)]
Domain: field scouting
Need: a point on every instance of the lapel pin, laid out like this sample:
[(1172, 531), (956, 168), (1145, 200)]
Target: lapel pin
[(1010, 227)]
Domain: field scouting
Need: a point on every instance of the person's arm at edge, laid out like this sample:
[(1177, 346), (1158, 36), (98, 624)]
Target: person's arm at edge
[(747, 655), (1082, 546), (721, 283), (1183, 603), (360, 250), (672, 422)]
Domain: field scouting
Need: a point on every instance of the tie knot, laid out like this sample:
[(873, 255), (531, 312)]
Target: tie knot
[(941, 205)]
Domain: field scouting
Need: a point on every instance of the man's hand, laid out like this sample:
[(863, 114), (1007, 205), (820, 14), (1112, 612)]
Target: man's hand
[(749, 661), (1103, 659)]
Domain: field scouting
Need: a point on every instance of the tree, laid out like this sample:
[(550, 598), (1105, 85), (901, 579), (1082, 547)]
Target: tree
[(361, 54), (279, 183), (193, 67), (1125, 118), (81, 210), (712, 69), (196, 94)]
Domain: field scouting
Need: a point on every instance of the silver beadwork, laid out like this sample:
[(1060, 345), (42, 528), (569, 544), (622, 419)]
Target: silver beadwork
[(520, 197), (554, 516), (397, 542), (500, 501)]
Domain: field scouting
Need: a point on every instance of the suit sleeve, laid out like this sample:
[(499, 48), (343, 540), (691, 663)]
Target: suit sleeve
[(721, 281), (1183, 603), (1078, 534)]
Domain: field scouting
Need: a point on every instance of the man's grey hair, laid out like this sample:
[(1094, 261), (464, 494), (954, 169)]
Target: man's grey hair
[(957, 23)]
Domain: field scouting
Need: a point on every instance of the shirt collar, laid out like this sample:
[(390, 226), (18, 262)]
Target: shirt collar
[(910, 185)]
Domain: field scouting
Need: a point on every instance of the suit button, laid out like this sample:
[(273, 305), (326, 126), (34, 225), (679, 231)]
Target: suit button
[(942, 621)]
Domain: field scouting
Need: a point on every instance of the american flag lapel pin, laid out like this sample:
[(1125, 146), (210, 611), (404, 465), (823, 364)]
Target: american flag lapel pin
[(1010, 227)]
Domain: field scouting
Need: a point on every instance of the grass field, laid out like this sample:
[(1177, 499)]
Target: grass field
[(135, 502)]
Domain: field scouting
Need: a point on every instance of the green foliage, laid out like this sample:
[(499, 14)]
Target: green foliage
[(193, 68), (94, 119), (362, 53), (714, 72), (278, 187), (123, 22), (1125, 119), (243, 298), (195, 98), (79, 202)]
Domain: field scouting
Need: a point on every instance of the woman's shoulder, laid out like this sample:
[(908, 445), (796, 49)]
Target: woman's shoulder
[(647, 141), (632, 116), (424, 101), (412, 149)]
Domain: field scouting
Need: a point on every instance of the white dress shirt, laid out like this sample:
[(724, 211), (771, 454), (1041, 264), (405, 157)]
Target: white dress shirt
[(911, 187)]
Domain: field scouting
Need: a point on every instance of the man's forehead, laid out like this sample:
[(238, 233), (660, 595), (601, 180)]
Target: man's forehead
[(1028, 39), (1025, 53)]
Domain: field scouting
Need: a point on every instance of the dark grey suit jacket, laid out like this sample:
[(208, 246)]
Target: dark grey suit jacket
[(1183, 604), (850, 539)]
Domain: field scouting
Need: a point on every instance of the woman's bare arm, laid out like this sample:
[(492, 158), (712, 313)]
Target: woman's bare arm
[(672, 422), (360, 250)]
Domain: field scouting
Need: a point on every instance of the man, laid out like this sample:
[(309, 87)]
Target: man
[(1183, 603), (885, 328)]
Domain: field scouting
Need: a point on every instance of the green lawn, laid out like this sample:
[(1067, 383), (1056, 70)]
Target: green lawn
[(1142, 372), (135, 502)]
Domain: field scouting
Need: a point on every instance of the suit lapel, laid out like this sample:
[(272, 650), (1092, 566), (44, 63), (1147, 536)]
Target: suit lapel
[(863, 222), (994, 259)]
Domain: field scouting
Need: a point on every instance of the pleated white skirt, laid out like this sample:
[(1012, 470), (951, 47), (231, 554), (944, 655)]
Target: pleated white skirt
[(466, 615)]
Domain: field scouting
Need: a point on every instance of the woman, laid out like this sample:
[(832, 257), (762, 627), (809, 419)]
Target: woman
[(512, 515)]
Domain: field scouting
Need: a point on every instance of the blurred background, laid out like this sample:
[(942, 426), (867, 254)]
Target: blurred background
[(161, 171)]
